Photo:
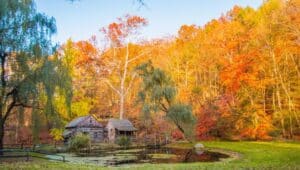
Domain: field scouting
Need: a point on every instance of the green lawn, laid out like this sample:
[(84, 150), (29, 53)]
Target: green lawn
[(252, 155)]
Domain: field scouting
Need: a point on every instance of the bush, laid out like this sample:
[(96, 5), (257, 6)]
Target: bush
[(80, 141), (177, 135), (124, 141), (56, 134)]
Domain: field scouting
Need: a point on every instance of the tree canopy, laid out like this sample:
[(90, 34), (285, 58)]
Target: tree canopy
[(30, 74)]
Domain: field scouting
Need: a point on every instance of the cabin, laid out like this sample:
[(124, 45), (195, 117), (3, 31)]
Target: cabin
[(120, 127), (87, 125)]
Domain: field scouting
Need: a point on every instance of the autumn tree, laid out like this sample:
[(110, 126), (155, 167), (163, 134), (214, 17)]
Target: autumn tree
[(279, 41), (83, 63), (120, 56)]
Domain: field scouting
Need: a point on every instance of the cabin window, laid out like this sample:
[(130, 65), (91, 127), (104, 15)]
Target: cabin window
[(95, 135)]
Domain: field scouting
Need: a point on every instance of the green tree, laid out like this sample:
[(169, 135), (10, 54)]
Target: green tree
[(29, 75), (158, 94)]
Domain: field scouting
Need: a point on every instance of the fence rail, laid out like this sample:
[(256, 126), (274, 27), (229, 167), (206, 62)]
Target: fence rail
[(21, 153), (18, 146)]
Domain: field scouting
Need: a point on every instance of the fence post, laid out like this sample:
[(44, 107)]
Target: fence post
[(33, 147), (27, 155), (63, 158)]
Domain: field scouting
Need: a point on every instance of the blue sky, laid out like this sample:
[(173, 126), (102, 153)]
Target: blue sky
[(82, 19)]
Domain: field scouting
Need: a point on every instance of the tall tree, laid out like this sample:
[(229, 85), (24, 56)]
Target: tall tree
[(84, 64), (121, 56), (27, 71), (158, 93)]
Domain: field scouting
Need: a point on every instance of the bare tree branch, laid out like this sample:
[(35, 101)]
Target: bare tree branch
[(138, 56), (130, 83), (111, 86)]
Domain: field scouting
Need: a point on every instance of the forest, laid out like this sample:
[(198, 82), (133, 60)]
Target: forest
[(235, 78), (222, 95)]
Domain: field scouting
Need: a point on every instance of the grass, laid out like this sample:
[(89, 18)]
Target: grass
[(253, 155)]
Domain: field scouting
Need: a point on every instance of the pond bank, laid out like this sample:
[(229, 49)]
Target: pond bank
[(255, 155), (120, 157), (187, 145)]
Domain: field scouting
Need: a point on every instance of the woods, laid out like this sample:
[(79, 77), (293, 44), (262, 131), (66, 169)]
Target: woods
[(103, 93), (240, 72), (237, 77)]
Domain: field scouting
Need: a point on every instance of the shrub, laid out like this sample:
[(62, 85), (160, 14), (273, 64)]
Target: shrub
[(56, 134), (177, 135), (80, 141), (124, 141)]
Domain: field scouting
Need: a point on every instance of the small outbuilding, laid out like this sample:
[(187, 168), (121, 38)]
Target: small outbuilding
[(87, 125), (120, 127)]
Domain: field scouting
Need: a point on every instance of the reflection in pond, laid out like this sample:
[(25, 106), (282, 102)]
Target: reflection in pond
[(182, 155), (145, 155)]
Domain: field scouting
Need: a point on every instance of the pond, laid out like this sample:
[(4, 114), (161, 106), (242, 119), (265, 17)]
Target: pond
[(144, 155)]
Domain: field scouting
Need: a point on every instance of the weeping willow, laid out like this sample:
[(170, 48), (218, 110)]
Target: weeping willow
[(31, 75), (158, 93)]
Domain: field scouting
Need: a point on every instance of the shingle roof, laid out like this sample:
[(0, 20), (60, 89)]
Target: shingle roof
[(75, 122), (67, 133), (122, 124)]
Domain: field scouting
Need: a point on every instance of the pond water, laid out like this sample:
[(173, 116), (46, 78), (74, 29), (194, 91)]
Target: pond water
[(144, 155)]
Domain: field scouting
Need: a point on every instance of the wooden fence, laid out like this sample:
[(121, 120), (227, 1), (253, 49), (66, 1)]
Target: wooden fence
[(28, 153)]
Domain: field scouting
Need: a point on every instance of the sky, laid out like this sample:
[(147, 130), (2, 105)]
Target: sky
[(81, 19)]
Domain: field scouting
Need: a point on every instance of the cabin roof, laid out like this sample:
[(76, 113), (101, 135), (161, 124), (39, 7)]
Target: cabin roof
[(122, 124), (67, 133), (76, 122)]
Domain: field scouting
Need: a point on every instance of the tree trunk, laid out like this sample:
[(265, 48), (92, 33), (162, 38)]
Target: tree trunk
[(3, 56), (183, 132), (122, 86), (122, 99), (1, 136)]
